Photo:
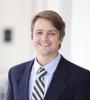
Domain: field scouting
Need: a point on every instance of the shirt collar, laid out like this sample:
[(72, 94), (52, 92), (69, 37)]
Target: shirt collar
[(36, 66), (50, 67)]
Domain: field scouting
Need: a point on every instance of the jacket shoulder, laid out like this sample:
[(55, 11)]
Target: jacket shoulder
[(20, 68), (77, 73), (74, 67)]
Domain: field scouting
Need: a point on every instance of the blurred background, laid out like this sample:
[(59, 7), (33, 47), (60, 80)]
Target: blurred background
[(15, 34)]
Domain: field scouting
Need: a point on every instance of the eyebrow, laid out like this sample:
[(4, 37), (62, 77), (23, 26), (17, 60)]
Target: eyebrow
[(38, 30), (48, 30), (53, 30)]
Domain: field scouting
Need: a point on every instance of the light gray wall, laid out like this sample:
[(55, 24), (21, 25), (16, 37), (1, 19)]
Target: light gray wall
[(17, 14), (80, 30)]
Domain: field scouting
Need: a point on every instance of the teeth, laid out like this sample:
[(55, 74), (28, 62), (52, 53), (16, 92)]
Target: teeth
[(45, 44)]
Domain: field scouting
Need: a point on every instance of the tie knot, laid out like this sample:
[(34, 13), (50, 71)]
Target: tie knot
[(41, 72)]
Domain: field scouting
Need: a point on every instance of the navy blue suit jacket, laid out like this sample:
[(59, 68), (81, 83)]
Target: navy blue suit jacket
[(69, 82)]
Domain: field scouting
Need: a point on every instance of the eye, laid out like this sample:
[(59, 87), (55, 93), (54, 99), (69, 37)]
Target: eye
[(51, 33), (38, 33)]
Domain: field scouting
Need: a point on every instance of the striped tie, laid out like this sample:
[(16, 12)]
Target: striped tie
[(39, 87)]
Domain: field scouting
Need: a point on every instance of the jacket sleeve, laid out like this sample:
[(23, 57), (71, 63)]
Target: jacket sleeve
[(10, 95), (83, 91)]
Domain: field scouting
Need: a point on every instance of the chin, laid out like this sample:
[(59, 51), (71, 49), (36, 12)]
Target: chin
[(44, 53)]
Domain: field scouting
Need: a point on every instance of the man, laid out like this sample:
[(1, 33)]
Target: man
[(61, 79)]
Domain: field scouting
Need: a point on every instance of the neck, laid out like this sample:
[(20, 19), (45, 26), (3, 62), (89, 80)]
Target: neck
[(43, 60)]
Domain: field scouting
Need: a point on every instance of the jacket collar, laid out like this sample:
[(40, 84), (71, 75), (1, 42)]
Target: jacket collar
[(23, 81), (58, 82)]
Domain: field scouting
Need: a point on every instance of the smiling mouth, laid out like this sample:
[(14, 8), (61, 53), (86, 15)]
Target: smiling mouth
[(44, 44)]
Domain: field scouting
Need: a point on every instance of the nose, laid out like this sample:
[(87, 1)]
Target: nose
[(44, 37)]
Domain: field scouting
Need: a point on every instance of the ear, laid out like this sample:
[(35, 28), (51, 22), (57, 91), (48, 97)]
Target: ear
[(59, 46), (31, 36), (61, 39), (60, 42)]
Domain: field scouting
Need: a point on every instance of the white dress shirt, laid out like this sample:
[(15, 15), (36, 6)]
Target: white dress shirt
[(50, 68)]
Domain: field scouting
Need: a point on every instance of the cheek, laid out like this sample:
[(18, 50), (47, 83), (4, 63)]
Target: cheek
[(56, 42), (35, 40)]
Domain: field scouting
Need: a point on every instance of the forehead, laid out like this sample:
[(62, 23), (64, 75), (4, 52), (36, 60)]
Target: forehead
[(39, 20), (43, 23)]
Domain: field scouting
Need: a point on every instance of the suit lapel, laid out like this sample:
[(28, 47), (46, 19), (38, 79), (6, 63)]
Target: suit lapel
[(58, 83), (23, 82)]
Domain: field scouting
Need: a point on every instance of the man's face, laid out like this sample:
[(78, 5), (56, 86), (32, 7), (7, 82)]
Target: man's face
[(46, 37)]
